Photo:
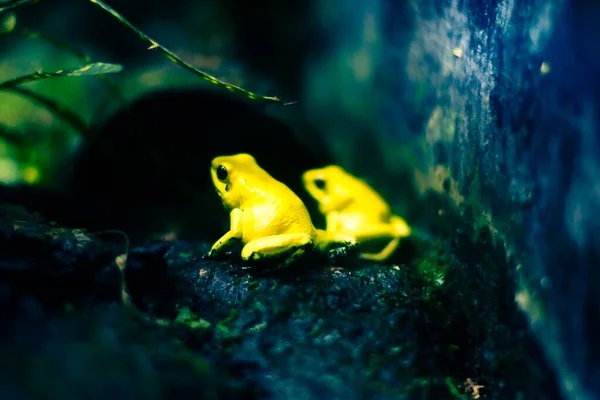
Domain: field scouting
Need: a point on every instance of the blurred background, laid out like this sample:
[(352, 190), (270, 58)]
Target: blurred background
[(485, 110), (354, 107)]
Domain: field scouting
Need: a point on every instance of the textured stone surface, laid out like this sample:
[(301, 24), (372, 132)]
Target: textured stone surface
[(414, 330), (516, 118), (498, 103)]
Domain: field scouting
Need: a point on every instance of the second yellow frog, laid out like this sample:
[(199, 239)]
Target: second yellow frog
[(351, 206)]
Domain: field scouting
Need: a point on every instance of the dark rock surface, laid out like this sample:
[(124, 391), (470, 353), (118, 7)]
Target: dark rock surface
[(514, 121), (414, 330)]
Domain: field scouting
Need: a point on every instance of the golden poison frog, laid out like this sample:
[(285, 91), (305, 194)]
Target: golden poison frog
[(266, 216), (351, 206)]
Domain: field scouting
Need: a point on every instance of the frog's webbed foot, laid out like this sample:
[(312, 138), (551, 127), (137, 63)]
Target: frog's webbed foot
[(330, 240), (221, 246), (336, 244), (220, 255), (344, 255), (385, 253), (289, 246)]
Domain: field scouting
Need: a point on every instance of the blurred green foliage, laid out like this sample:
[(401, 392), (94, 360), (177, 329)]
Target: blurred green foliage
[(43, 121)]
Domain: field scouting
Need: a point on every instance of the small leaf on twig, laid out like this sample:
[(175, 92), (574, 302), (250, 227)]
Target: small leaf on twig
[(15, 4), (68, 48)]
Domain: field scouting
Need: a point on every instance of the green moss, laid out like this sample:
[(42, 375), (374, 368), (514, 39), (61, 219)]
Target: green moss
[(252, 285), (316, 329), (185, 255), (431, 269), (224, 327), (257, 328), (453, 390), (187, 317)]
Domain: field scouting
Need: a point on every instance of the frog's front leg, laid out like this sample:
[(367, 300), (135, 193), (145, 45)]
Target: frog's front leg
[(277, 245), (234, 233), (333, 221)]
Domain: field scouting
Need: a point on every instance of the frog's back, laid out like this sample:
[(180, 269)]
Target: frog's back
[(276, 209), (368, 201), (291, 211)]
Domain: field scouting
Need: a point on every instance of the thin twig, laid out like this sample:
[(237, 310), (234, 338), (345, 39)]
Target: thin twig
[(125, 296), (16, 4), (171, 56)]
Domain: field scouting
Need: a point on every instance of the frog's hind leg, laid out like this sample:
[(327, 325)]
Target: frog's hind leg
[(384, 254), (274, 246), (399, 230)]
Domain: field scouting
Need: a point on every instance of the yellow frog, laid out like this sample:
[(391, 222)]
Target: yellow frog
[(266, 216), (353, 207)]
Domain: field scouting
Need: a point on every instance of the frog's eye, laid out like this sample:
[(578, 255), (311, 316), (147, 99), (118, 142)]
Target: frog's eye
[(320, 183), (221, 173)]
